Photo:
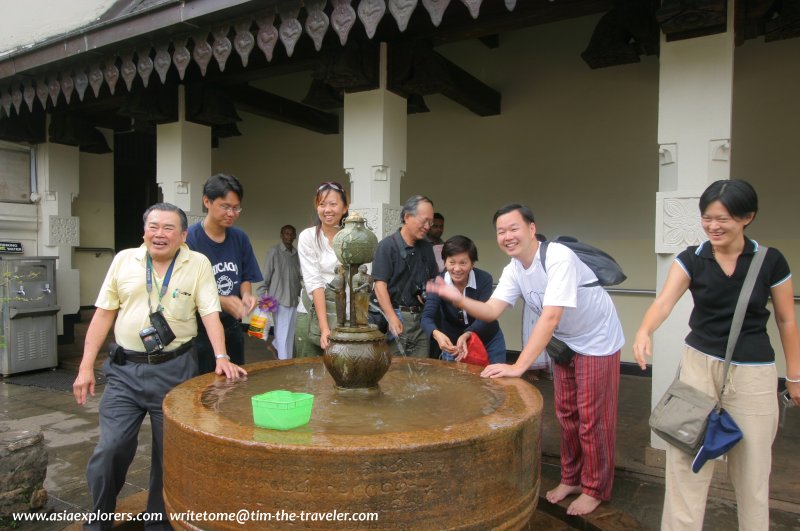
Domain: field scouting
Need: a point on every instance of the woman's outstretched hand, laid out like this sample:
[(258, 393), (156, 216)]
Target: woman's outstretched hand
[(642, 346)]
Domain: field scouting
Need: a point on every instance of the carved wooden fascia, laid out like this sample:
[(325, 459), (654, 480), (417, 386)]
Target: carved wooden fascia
[(420, 70), (623, 34), (684, 19), (785, 24), (347, 70), (416, 70), (353, 67)]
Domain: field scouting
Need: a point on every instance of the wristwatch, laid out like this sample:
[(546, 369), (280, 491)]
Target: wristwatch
[(221, 356)]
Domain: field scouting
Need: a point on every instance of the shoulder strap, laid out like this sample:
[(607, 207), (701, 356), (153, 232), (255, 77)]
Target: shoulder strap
[(741, 307), (543, 254)]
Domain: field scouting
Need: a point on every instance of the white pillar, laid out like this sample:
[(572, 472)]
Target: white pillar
[(59, 231), (694, 130), (375, 131), (183, 161)]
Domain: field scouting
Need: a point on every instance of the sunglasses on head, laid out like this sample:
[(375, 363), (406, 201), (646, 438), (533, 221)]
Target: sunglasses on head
[(330, 185)]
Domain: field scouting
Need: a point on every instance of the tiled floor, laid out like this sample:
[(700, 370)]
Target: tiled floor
[(71, 432)]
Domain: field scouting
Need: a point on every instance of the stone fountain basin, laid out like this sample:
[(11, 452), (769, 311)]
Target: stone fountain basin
[(438, 448)]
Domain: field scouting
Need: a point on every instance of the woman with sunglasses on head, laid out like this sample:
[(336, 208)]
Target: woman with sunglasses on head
[(450, 327), (318, 263)]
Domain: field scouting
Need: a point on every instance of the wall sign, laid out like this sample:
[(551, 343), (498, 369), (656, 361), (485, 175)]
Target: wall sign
[(11, 247)]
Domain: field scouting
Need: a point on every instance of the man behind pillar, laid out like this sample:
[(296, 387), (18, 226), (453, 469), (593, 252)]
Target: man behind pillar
[(402, 266), (282, 277), (435, 237), (151, 295), (233, 262)]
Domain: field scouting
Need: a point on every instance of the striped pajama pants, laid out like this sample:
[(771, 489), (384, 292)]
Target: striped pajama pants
[(586, 394)]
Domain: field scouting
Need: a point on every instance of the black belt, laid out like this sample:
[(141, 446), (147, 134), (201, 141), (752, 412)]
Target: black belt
[(151, 359), (410, 309)]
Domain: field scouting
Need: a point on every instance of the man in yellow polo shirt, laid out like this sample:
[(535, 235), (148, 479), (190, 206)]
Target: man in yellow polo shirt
[(153, 293)]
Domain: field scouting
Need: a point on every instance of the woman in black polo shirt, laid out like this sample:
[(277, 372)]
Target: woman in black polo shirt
[(714, 272)]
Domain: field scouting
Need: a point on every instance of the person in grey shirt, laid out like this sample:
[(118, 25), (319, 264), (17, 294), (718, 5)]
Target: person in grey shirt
[(282, 281)]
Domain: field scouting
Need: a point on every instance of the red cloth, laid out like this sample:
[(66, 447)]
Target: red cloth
[(476, 352)]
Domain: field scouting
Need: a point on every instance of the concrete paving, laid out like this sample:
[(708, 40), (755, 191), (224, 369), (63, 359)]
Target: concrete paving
[(71, 431)]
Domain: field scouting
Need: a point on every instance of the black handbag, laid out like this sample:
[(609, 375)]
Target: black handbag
[(559, 351)]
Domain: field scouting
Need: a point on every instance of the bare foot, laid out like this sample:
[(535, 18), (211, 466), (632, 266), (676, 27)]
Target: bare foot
[(561, 492), (583, 504)]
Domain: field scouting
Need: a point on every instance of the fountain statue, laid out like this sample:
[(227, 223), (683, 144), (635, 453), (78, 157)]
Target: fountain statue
[(358, 356), (433, 446)]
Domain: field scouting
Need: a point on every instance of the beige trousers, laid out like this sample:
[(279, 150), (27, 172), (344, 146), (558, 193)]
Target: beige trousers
[(751, 399)]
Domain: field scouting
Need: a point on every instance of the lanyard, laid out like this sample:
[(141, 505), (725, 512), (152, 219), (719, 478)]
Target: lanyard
[(150, 280)]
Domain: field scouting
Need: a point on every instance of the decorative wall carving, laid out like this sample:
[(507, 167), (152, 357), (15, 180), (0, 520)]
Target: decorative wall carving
[(16, 99), (181, 57), (111, 75), (474, 7), (342, 19), (677, 221), (64, 231), (380, 173), (720, 150), (371, 215), (202, 51), (95, 79), (267, 35), (128, 69), (719, 154), (667, 154), (144, 65), (42, 92), (290, 29), (391, 220), (401, 11), (67, 86), (244, 42), (436, 9), (81, 83), (370, 12), (222, 47), (28, 94), (5, 102), (316, 22), (162, 61)]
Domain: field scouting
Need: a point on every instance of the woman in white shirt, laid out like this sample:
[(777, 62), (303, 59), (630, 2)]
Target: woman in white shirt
[(318, 263)]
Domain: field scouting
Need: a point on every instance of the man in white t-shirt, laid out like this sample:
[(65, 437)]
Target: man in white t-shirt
[(584, 318)]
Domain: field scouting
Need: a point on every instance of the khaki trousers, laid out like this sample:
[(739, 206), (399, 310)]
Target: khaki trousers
[(751, 399)]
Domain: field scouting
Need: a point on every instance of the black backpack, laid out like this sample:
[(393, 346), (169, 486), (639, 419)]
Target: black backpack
[(607, 270)]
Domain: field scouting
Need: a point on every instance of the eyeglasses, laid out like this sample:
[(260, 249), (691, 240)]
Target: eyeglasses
[(330, 184), (425, 222), (231, 210)]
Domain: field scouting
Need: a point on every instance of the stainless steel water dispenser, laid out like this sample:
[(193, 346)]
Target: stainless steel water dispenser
[(27, 313)]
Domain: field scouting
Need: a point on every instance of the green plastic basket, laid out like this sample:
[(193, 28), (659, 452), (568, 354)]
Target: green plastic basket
[(282, 410)]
